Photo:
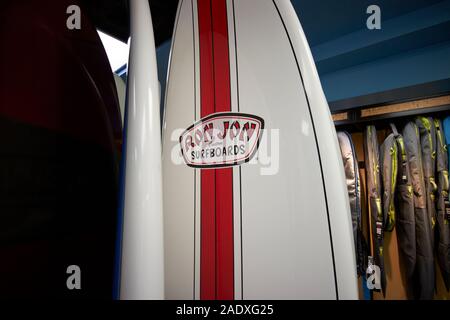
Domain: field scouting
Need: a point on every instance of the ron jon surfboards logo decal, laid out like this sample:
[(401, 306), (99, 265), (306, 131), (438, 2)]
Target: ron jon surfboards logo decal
[(221, 139)]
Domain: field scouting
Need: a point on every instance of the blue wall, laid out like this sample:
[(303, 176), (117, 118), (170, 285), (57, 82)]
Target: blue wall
[(413, 46), (397, 71)]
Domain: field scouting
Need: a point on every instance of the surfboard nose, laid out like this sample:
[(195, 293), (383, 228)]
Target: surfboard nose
[(242, 229), (142, 257)]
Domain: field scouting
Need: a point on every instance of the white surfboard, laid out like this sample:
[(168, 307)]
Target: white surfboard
[(255, 202), (140, 265)]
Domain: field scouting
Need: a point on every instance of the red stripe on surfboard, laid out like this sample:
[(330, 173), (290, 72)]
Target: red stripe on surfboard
[(224, 232), (217, 254), (224, 177), (208, 181)]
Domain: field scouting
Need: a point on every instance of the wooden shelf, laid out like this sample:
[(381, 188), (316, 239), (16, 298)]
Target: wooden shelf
[(438, 106)]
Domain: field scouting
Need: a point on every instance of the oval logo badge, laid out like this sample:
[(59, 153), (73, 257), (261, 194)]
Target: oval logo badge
[(221, 140)]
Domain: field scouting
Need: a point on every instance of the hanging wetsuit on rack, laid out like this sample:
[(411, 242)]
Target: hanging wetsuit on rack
[(424, 282), (427, 133), (388, 162), (351, 170), (446, 126), (404, 203), (443, 226), (372, 164)]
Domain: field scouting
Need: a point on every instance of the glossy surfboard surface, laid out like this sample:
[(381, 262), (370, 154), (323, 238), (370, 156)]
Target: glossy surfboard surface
[(140, 260), (255, 202)]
